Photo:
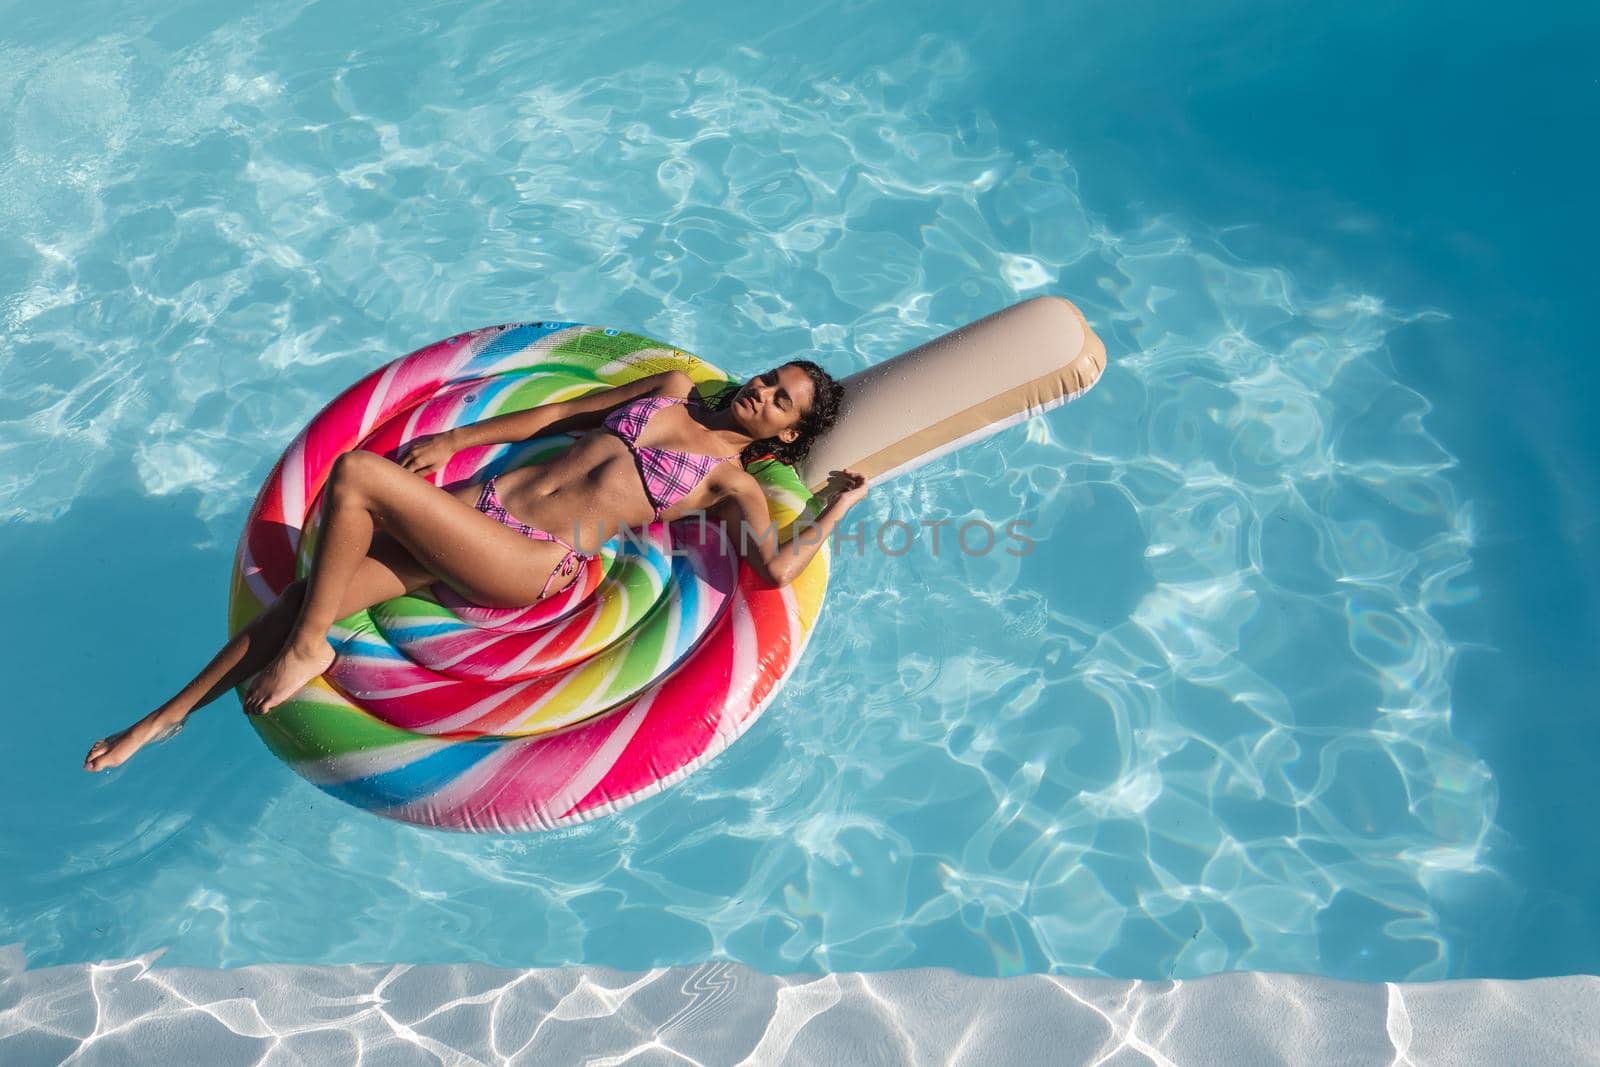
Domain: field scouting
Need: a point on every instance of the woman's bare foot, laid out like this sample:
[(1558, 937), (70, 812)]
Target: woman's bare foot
[(281, 679), (115, 750)]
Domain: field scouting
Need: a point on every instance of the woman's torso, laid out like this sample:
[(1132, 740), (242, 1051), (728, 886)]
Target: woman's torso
[(593, 489)]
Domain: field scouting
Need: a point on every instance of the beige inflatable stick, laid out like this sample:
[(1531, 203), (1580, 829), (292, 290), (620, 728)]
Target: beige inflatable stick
[(962, 387)]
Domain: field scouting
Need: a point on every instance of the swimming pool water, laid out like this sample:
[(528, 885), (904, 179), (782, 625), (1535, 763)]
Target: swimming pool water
[(1298, 676)]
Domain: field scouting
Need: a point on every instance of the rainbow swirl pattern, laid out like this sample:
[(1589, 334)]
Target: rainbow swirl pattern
[(442, 713)]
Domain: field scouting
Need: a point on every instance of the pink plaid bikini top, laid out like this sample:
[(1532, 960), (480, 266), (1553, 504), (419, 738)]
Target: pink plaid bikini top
[(668, 476)]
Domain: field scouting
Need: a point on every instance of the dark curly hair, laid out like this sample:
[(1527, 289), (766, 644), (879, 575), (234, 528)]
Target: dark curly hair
[(826, 396)]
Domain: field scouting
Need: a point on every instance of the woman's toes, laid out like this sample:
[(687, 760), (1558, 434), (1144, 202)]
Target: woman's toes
[(101, 752), (252, 694)]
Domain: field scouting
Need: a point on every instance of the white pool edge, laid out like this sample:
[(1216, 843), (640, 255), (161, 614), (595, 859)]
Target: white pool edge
[(131, 1011)]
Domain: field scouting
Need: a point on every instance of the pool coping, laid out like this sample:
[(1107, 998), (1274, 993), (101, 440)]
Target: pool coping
[(130, 1011)]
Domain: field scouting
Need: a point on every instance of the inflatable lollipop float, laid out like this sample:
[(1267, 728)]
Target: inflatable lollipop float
[(665, 649)]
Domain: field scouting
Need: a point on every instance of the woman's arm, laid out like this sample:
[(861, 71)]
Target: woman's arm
[(429, 453), (583, 413), (757, 536)]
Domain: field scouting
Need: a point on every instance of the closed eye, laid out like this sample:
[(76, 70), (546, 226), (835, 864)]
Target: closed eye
[(784, 401)]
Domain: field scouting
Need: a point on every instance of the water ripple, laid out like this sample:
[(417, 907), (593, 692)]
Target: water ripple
[(1204, 724)]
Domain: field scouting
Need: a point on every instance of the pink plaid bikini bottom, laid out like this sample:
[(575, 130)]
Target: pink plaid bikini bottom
[(489, 504)]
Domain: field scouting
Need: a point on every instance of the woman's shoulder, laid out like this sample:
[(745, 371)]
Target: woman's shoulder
[(729, 477), (668, 387), (675, 385)]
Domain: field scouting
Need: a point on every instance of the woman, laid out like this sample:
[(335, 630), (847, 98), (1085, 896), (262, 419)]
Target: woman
[(653, 451)]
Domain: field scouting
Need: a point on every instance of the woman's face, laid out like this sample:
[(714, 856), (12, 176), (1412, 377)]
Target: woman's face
[(772, 404)]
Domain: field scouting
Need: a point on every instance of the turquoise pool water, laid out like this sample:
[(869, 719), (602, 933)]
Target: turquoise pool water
[(1299, 676)]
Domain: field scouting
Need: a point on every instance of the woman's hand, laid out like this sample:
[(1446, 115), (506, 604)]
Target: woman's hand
[(428, 453), (849, 488)]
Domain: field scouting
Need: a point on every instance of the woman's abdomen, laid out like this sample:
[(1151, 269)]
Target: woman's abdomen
[(584, 486)]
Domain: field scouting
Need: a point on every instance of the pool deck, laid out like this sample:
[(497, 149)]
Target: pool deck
[(131, 1011)]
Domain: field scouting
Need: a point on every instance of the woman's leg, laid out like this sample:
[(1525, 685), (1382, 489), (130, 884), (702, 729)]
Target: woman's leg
[(484, 561), (387, 572)]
